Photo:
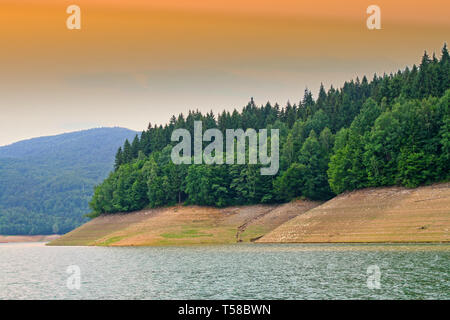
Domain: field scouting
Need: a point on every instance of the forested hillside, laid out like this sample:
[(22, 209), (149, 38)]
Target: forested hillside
[(46, 183), (391, 130)]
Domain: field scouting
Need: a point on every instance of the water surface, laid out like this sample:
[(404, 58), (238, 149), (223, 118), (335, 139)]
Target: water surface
[(243, 271)]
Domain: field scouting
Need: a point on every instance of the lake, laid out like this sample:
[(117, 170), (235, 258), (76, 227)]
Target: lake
[(241, 271)]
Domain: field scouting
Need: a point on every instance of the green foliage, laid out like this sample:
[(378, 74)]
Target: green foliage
[(314, 157), (391, 130), (346, 168), (415, 168), (290, 185), (46, 183), (406, 145), (445, 136)]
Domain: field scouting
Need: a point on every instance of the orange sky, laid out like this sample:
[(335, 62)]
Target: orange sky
[(138, 61), (434, 11)]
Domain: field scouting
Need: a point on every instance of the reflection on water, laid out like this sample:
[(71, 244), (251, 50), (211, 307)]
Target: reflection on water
[(244, 271)]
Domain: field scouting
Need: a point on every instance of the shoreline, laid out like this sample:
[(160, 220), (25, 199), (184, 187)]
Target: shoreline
[(28, 238), (190, 245), (366, 216)]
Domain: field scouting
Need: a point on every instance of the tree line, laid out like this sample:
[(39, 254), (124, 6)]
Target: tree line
[(392, 130)]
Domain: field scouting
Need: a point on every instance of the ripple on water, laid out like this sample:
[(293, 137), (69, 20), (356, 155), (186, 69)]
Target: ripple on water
[(244, 271)]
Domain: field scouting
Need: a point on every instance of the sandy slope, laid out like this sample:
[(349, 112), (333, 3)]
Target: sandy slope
[(182, 225), (373, 215)]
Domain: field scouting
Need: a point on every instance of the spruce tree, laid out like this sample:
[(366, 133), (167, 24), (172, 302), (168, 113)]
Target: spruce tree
[(127, 155), (119, 159)]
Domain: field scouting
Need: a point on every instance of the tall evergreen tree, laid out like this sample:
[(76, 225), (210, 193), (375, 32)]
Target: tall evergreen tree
[(119, 159)]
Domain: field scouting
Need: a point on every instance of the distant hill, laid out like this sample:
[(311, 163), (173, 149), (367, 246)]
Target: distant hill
[(46, 183)]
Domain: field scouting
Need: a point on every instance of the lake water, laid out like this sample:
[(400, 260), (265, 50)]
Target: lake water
[(243, 271)]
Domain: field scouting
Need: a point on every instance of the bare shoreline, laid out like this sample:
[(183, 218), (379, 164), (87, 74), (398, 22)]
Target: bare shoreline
[(367, 216), (27, 238)]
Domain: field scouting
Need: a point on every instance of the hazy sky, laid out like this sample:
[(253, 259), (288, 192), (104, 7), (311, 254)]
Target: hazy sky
[(136, 61)]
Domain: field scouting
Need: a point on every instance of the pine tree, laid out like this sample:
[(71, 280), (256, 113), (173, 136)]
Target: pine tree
[(135, 147), (444, 72), (127, 155), (119, 159)]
